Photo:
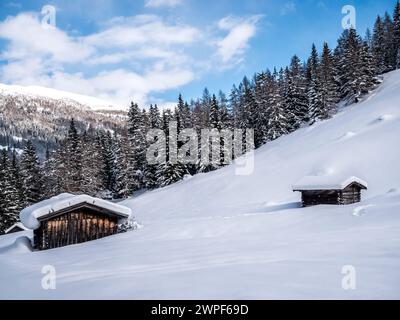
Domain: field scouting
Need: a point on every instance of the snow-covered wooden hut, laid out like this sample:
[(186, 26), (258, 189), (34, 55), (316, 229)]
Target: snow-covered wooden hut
[(316, 190), (70, 219), (16, 227)]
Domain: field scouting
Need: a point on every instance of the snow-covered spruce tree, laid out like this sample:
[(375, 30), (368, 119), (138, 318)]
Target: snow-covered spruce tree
[(137, 149), (151, 169), (390, 50), (93, 168), (16, 178), (329, 87), (123, 187), (378, 45), (348, 60), (30, 175), (52, 178), (70, 157), (368, 79), (261, 99), (316, 106), (225, 111), (277, 122), (9, 196), (182, 114), (155, 117), (104, 143), (169, 173), (296, 95), (396, 31), (215, 123)]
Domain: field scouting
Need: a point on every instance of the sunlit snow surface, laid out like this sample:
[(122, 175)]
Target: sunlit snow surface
[(222, 236)]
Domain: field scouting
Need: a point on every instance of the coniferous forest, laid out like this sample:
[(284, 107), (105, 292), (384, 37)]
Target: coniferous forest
[(112, 164)]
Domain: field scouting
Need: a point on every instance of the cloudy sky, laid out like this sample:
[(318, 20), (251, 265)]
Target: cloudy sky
[(151, 50)]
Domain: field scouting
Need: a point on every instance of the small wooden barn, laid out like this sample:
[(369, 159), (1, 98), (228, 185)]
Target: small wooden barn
[(16, 227), (330, 190), (68, 219)]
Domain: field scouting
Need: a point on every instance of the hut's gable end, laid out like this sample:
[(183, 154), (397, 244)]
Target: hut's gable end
[(77, 225), (70, 219), (351, 194)]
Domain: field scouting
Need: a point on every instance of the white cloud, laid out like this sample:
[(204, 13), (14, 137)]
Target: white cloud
[(162, 3), (240, 30), (132, 58), (28, 38), (144, 29), (41, 56)]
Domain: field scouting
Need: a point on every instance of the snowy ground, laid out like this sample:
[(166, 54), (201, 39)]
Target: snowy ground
[(222, 236)]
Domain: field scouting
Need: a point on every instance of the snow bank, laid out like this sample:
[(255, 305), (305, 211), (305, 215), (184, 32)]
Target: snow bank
[(29, 216), (331, 182), (20, 245)]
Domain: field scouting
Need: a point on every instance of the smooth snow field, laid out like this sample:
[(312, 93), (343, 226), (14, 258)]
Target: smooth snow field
[(224, 236)]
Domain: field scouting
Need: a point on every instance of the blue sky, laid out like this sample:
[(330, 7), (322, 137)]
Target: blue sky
[(150, 50)]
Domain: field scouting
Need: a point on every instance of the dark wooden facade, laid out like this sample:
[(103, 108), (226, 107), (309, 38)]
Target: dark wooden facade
[(74, 225), (349, 195)]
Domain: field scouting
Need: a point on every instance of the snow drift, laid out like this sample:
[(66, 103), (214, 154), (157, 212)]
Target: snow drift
[(222, 236)]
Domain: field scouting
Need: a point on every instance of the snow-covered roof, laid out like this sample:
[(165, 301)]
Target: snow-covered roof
[(30, 215), (16, 225), (330, 182)]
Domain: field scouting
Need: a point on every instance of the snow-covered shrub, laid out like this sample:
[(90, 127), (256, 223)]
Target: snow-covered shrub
[(128, 225)]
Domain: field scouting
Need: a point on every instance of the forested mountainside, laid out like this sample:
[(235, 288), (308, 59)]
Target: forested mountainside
[(45, 121)]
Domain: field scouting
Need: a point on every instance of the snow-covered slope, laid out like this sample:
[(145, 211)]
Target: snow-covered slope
[(42, 92), (220, 235)]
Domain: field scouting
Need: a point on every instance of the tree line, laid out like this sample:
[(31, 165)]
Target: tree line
[(113, 165)]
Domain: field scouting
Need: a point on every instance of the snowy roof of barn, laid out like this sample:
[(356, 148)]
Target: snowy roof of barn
[(314, 183), (30, 215), (16, 225)]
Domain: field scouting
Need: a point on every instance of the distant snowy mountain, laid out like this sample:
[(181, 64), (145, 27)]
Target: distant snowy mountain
[(53, 94), (43, 115), (225, 236)]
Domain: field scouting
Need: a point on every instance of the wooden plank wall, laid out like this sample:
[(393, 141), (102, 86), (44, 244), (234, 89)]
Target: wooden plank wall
[(312, 198), (73, 228)]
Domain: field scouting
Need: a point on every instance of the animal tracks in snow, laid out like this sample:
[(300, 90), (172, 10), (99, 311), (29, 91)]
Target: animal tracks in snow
[(362, 210)]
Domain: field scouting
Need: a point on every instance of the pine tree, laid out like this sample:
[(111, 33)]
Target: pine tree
[(262, 101), (94, 175), (31, 175), (315, 98), (9, 197), (277, 122), (137, 145), (396, 31), (329, 87), (378, 45), (348, 57), (390, 50), (215, 119), (155, 118), (169, 173), (296, 95), (16, 178), (123, 184), (71, 159)]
